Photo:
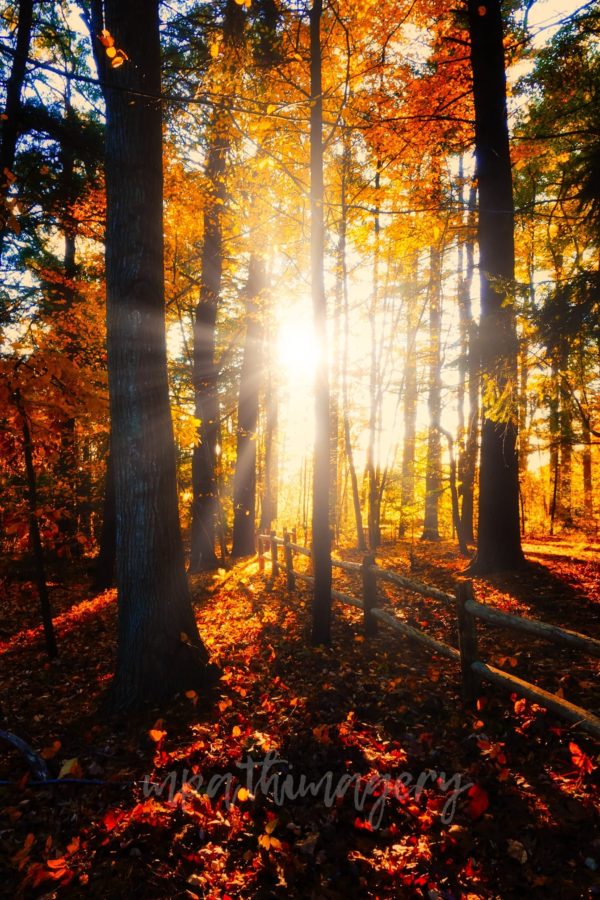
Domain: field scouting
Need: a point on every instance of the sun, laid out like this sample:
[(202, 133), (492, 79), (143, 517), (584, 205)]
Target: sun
[(297, 351)]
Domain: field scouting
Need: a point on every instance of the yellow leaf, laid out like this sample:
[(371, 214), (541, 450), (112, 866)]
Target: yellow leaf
[(243, 794), (111, 52), (214, 50), (236, 731), (70, 769), (271, 826)]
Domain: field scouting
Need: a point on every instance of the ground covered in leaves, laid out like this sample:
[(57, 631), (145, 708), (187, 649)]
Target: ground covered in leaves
[(352, 771)]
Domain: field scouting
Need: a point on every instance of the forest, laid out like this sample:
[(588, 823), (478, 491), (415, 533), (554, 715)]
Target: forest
[(299, 448)]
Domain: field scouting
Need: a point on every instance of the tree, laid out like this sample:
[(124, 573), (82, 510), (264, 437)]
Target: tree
[(244, 485), (320, 518), (498, 536), (10, 126), (159, 651), (433, 479)]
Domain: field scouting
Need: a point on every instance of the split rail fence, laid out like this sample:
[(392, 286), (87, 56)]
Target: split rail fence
[(468, 611)]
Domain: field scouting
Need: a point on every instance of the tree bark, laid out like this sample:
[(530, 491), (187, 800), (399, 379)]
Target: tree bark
[(498, 538), (468, 381), (268, 500), (205, 504), (244, 482), (343, 277), (159, 651), (321, 627), (10, 126), (407, 483), (35, 538), (433, 478), (104, 567)]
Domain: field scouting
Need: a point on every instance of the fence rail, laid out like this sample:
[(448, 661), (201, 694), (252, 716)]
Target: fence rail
[(468, 611)]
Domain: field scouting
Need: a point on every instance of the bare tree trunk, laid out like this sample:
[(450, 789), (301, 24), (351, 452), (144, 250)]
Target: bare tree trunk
[(104, 567), (468, 379), (268, 501), (374, 393), (566, 414), (433, 478), (244, 483), (35, 538), (9, 124), (407, 485), (499, 538), (588, 502), (159, 651), (321, 535), (343, 275), (205, 503)]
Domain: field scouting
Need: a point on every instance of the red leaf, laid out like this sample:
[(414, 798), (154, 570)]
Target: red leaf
[(478, 801)]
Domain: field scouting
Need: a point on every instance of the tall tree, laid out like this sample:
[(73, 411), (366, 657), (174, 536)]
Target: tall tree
[(433, 477), (498, 537), (9, 125), (205, 507), (244, 482), (159, 650), (320, 520)]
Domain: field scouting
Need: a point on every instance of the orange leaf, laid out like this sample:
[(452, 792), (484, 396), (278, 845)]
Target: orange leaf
[(581, 759), (106, 38), (51, 751), (321, 734)]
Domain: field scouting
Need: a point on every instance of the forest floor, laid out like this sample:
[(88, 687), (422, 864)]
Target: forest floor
[(439, 800)]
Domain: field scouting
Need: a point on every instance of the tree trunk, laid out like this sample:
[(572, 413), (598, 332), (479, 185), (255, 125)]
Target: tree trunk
[(469, 379), (588, 502), (566, 448), (343, 276), (268, 500), (205, 504), (407, 483), (159, 651), (374, 389), (104, 567), (433, 478), (35, 538), (244, 482), (498, 538), (10, 127), (321, 535)]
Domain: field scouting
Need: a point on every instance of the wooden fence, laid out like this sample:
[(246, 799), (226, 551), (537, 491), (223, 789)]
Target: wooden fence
[(467, 609)]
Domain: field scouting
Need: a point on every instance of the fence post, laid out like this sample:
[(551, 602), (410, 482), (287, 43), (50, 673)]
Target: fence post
[(467, 639), (369, 583), (274, 560), (294, 539), (289, 562)]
